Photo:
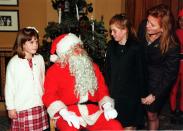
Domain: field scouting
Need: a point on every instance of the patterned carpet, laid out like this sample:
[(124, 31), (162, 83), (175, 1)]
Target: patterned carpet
[(170, 122), (165, 121), (4, 123)]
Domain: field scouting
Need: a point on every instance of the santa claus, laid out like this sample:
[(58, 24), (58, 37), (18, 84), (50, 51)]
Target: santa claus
[(75, 93)]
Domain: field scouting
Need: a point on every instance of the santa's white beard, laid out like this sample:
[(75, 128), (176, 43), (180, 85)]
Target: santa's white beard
[(82, 69)]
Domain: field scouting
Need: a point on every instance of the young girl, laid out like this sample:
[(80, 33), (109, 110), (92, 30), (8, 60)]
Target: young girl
[(124, 72), (24, 84)]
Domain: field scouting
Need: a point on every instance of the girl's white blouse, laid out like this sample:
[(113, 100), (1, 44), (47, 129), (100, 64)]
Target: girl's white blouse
[(24, 86)]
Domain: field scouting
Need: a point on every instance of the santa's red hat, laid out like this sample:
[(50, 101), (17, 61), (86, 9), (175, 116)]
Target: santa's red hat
[(180, 13), (62, 44)]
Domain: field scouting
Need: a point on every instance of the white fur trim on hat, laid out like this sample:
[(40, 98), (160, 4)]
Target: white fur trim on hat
[(66, 43), (53, 58)]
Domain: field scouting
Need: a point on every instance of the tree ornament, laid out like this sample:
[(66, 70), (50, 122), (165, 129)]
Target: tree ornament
[(90, 8)]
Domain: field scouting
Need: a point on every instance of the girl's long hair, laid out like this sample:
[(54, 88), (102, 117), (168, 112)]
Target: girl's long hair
[(23, 35)]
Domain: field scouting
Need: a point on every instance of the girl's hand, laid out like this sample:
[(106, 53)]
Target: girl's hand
[(12, 114), (148, 100)]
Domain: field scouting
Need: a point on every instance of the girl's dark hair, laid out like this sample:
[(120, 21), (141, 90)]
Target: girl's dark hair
[(23, 35), (122, 21)]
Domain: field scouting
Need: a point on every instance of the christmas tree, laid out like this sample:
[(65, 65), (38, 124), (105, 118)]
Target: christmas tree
[(73, 18)]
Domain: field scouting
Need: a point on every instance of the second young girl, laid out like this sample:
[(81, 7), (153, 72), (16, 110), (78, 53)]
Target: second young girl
[(124, 72), (24, 84)]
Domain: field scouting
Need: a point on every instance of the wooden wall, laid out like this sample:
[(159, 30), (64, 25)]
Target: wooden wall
[(107, 8), (138, 8), (31, 13)]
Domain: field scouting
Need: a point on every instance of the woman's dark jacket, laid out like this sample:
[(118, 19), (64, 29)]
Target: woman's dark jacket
[(124, 75), (162, 69), (124, 69)]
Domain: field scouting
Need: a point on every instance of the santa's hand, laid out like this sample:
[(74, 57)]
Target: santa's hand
[(109, 111), (70, 117)]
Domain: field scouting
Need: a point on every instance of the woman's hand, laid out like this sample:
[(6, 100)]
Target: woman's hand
[(12, 114), (148, 100)]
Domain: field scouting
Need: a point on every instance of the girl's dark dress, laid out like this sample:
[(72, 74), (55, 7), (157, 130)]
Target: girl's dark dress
[(125, 78), (161, 72)]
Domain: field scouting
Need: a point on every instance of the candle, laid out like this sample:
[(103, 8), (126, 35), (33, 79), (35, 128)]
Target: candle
[(77, 12), (59, 15), (93, 26)]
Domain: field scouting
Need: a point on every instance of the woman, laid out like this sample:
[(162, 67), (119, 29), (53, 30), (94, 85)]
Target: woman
[(162, 60), (124, 72)]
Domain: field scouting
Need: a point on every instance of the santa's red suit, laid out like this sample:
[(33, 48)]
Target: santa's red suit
[(60, 93)]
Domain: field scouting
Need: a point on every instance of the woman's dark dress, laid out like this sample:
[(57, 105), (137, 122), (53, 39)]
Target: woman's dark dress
[(125, 78), (161, 72)]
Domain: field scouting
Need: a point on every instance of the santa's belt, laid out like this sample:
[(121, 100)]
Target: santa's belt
[(88, 102)]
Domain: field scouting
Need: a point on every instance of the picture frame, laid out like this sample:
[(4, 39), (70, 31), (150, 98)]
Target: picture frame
[(9, 20), (8, 2)]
